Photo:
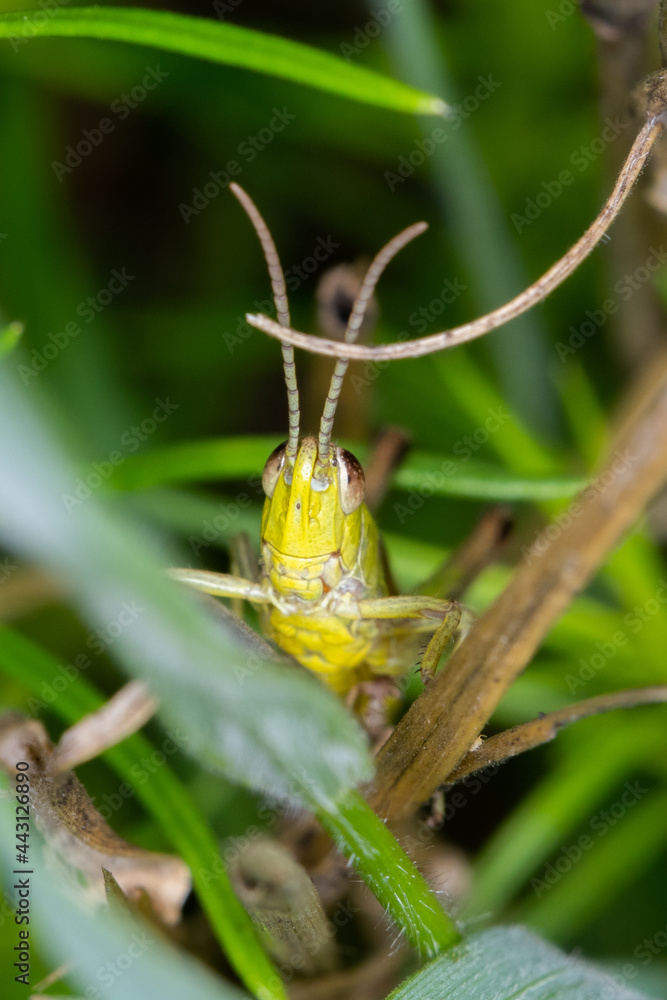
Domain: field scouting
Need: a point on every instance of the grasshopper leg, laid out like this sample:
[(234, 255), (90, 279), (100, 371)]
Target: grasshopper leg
[(424, 607), (221, 584)]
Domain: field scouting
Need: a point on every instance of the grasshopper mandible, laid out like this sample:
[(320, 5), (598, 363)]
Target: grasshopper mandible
[(321, 588)]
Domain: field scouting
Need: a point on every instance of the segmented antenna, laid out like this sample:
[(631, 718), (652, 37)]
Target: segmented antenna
[(282, 311), (357, 313)]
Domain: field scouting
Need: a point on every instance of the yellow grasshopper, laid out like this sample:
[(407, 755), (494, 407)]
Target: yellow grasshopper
[(321, 589)]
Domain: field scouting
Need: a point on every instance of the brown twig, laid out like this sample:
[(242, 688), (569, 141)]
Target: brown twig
[(535, 293), (122, 715), (502, 747), (444, 722)]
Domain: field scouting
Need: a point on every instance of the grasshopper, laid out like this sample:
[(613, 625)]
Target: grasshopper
[(321, 589)]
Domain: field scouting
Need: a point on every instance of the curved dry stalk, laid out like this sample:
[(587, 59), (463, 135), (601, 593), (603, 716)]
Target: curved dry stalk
[(535, 293), (529, 735), (443, 723)]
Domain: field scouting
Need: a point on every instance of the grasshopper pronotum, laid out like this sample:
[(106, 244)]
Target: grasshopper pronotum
[(321, 588)]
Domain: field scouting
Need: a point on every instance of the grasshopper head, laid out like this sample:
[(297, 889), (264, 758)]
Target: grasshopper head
[(309, 504), (315, 490)]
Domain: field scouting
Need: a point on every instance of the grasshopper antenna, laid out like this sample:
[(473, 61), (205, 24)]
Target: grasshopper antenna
[(357, 313), (282, 311)]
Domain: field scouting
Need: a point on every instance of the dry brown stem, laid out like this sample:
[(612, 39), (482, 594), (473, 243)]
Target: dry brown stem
[(533, 734), (444, 722), (535, 293)]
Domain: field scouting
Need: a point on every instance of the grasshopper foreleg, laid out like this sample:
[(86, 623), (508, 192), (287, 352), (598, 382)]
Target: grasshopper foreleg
[(221, 584)]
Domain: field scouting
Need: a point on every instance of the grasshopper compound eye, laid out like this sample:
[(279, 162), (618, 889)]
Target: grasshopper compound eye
[(351, 481), (273, 468)]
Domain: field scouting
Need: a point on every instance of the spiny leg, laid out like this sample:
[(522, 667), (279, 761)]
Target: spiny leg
[(424, 607)]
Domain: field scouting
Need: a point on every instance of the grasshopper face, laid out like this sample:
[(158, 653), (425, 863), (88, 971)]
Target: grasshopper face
[(311, 508)]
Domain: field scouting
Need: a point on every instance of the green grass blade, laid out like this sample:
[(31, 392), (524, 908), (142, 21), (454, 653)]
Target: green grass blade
[(220, 459), (164, 797), (617, 850), (478, 224), (439, 476), (205, 38), (244, 457), (557, 807), (377, 856)]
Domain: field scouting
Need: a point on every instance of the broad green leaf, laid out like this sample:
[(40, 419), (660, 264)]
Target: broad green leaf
[(428, 475), (273, 728), (64, 690), (266, 726), (205, 38), (508, 963)]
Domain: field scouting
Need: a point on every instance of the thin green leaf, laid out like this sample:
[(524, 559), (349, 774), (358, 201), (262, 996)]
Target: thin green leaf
[(244, 457), (216, 459), (557, 807), (69, 694), (205, 38), (441, 476), (508, 963), (602, 863)]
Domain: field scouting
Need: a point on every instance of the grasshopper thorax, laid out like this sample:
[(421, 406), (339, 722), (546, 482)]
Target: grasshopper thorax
[(310, 505)]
